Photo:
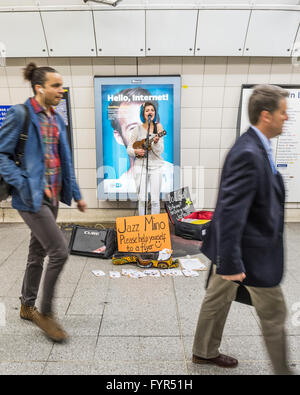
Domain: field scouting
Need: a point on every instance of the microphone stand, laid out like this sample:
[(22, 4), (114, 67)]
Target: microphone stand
[(147, 161)]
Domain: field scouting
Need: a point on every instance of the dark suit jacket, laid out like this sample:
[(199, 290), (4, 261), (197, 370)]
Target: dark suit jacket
[(246, 232)]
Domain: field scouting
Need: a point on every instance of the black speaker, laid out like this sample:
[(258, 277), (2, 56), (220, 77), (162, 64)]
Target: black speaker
[(92, 242)]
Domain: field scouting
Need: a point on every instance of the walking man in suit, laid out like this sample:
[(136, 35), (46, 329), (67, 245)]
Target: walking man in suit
[(245, 239)]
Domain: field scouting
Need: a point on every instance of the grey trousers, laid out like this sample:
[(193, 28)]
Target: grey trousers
[(271, 310), (46, 239)]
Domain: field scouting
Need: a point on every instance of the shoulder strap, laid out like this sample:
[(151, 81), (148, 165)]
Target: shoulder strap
[(23, 137)]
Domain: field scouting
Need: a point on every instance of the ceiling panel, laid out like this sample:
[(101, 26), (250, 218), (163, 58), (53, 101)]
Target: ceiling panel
[(278, 29), (146, 3), (22, 34), (170, 32), (69, 33), (110, 42)]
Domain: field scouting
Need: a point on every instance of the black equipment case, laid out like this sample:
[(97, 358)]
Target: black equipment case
[(178, 206)]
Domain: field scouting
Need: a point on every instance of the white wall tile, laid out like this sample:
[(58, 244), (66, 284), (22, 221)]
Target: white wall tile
[(14, 73), (191, 96), (66, 77), (86, 138), (232, 96), (20, 95), (229, 118), (197, 197), (211, 178), (111, 204), (103, 66), (40, 62), (223, 154), (237, 71), (86, 158), (15, 62), (192, 71), (82, 72), (215, 71), (63, 66), (5, 96), (190, 118), (90, 197), (148, 65), (209, 158), (83, 97), (190, 138), (295, 78), (87, 178), (74, 123), (125, 66), (189, 157), (170, 65), (57, 62), (259, 70), (213, 96), (192, 176), (210, 198), (85, 118), (228, 137), (210, 138), (281, 71), (3, 79), (291, 205), (75, 156), (211, 118)]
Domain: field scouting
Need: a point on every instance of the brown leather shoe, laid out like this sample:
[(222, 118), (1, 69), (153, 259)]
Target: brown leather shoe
[(50, 326), (26, 312), (224, 361)]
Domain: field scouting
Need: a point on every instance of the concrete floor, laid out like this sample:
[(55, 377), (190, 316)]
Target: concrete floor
[(130, 326)]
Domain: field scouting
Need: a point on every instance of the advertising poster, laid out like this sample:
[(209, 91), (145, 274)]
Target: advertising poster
[(286, 147), (3, 112), (118, 102)]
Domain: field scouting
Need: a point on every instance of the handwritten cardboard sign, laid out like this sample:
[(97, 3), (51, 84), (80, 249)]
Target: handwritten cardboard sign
[(145, 233)]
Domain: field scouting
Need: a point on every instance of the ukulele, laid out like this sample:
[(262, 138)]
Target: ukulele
[(141, 144)]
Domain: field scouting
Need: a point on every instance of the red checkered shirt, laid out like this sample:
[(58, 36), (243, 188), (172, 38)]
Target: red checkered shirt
[(50, 138)]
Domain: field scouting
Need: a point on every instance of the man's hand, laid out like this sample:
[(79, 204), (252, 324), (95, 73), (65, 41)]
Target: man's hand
[(235, 277), (81, 205)]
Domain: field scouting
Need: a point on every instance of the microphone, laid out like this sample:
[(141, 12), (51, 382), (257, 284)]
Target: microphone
[(149, 118)]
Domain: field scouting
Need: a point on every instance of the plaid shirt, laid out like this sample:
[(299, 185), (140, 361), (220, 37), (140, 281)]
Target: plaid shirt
[(50, 138)]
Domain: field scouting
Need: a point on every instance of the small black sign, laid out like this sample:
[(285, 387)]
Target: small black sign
[(179, 204)]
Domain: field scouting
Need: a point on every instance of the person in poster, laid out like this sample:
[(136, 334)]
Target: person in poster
[(121, 113), (148, 115)]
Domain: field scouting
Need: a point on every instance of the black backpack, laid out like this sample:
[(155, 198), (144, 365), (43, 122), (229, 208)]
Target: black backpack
[(5, 188)]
